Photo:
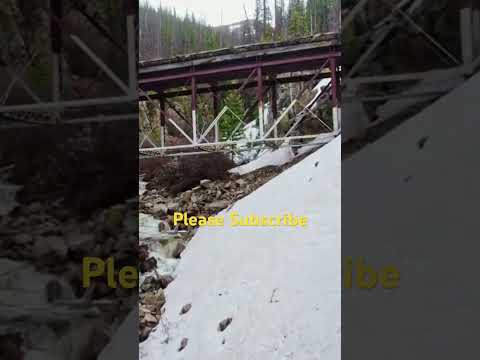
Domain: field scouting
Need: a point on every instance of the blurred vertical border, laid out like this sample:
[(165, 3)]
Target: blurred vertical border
[(68, 177)]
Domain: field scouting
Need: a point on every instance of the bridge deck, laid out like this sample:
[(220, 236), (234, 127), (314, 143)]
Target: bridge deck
[(238, 62)]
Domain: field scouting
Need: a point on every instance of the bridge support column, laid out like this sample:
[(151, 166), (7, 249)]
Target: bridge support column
[(216, 109), (260, 101), (163, 117), (194, 110), (336, 113), (273, 106)]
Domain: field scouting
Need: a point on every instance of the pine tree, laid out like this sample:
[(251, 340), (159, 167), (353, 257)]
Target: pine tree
[(279, 9), (267, 34), (228, 123), (296, 19), (310, 16), (257, 24), (247, 35), (264, 11)]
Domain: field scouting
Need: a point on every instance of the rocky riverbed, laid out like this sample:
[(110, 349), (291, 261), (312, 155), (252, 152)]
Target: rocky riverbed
[(44, 304)]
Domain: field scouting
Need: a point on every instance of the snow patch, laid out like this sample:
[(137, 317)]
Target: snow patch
[(438, 80), (268, 158), (421, 180), (280, 286)]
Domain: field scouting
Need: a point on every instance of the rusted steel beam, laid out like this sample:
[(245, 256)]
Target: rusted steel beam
[(336, 113), (260, 100), (237, 85), (216, 110), (176, 110), (273, 104), (231, 69), (333, 71), (252, 107), (187, 124), (194, 108), (247, 80), (309, 83)]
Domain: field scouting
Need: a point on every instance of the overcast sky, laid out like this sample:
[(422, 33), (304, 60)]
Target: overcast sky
[(214, 12)]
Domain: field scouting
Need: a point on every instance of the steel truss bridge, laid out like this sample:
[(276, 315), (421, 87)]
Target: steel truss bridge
[(359, 83), (55, 107), (264, 67)]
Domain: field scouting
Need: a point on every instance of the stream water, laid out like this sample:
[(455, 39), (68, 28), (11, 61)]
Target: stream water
[(160, 244)]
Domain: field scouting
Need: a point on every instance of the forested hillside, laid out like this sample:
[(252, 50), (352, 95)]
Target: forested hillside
[(25, 39), (164, 32)]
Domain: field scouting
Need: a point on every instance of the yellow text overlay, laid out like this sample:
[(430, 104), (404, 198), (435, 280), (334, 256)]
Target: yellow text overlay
[(234, 219), (94, 267)]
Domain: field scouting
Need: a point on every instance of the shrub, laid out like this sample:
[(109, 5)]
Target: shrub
[(185, 172)]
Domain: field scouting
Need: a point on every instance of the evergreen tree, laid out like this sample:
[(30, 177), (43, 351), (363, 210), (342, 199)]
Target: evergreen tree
[(267, 34), (297, 24), (257, 22), (247, 36), (279, 10), (229, 121), (163, 33)]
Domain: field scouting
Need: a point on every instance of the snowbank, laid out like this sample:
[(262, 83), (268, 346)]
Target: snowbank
[(423, 180), (437, 80), (355, 121), (268, 158), (318, 141), (280, 286)]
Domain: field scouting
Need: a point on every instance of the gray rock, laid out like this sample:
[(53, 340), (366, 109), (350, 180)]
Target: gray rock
[(183, 344), (186, 196), (23, 239), (149, 318), (81, 242), (50, 245), (241, 182), (178, 250), (205, 183), (172, 206), (218, 205), (160, 208), (224, 324), (185, 309), (154, 301)]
